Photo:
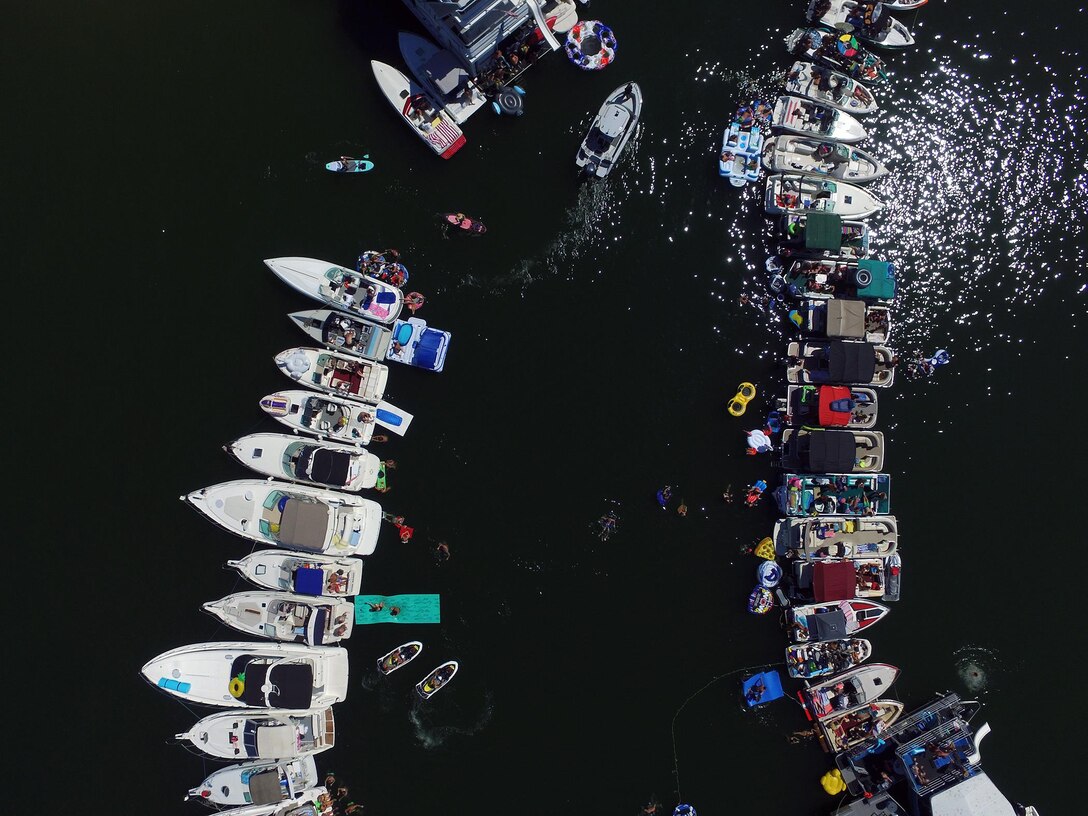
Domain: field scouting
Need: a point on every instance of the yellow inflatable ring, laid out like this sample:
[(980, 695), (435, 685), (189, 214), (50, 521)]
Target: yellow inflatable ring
[(745, 392), (832, 782), (237, 687), (736, 407)]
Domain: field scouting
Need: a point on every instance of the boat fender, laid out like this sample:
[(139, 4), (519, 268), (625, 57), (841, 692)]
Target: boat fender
[(863, 277), (508, 100)]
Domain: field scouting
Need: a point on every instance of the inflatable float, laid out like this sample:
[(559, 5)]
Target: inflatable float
[(745, 392), (590, 45)]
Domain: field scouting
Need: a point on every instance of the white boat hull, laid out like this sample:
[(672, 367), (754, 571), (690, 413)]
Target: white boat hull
[(285, 617), (436, 128), (828, 87), (326, 464), (787, 192), (271, 734), (339, 287), (801, 154)]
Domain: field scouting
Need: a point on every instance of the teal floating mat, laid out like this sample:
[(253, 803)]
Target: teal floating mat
[(397, 609)]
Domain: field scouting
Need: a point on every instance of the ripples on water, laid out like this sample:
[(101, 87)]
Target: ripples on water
[(979, 669)]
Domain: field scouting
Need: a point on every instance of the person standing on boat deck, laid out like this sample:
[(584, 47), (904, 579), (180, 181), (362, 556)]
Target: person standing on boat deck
[(628, 92)]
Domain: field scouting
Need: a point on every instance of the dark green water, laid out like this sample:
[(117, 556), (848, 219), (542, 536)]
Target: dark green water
[(157, 153)]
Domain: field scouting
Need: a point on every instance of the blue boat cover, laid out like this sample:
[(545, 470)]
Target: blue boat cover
[(386, 297), (426, 355), (317, 627), (772, 688), (308, 581)]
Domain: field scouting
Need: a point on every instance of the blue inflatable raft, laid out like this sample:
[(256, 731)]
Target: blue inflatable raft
[(762, 688)]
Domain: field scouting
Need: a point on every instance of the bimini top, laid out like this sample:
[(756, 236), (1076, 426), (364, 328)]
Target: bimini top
[(826, 451), (845, 318), (836, 405), (324, 465), (851, 362), (833, 581), (882, 282), (827, 625), (823, 230)]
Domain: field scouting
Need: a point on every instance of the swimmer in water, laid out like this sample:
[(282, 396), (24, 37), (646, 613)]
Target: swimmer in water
[(682, 509), (728, 495)]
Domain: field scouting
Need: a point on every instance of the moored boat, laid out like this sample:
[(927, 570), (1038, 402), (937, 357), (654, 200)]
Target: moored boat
[(252, 675), (311, 802), (610, 131), (789, 192), (865, 19), (292, 516), (834, 620), (275, 733), (853, 688), (823, 450), (821, 235), (418, 110), (867, 279), (857, 725), (329, 417), (825, 657), (834, 494), (410, 341), (815, 156), (339, 287), (335, 373), (837, 537), (437, 679), (264, 782), (840, 362), (399, 657), (839, 51), (442, 75), (302, 573), (828, 406), (327, 464), (797, 114), (828, 579), (845, 319), (829, 87), (285, 617)]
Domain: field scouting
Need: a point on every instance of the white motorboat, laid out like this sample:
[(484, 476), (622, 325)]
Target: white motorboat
[(853, 688), (802, 154), (252, 675), (257, 783), (329, 417), (446, 79), (788, 192), (828, 87), (418, 110), (334, 373), (309, 803), (286, 617), (270, 734), (292, 516), (410, 341), (328, 464), (865, 19), (612, 128), (739, 159), (345, 289), (833, 620), (840, 362), (302, 573), (837, 537), (799, 115)]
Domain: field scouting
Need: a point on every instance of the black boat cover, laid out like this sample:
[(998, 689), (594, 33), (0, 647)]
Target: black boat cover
[(826, 451), (329, 467), (851, 362), (827, 625)]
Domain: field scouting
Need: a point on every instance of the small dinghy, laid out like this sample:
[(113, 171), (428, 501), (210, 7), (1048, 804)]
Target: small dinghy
[(858, 725), (854, 688), (789, 192), (302, 573), (824, 450), (799, 115), (461, 224), (840, 362), (257, 783), (340, 287), (611, 129), (828, 87), (271, 734), (837, 537), (760, 601), (829, 406), (867, 20), (328, 464), (346, 164), (341, 375), (329, 417), (739, 159), (285, 617), (841, 52), (762, 688), (802, 154), (834, 494), (835, 620), (399, 657), (427, 119), (819, 659), (437, 679), (411, 342)]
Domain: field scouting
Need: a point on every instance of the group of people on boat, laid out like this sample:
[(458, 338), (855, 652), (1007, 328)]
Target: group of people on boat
[(384, 265)]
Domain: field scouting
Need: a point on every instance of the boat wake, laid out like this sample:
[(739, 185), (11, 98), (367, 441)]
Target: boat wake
[(430, 735)]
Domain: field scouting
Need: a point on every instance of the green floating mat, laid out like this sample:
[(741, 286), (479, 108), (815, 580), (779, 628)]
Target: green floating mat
[(412, 609)]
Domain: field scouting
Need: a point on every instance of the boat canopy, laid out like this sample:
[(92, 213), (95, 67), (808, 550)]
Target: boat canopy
[(269, 740), (836, 405), (328, 466), (846, 318), (292, 683), (826, 451), (264, 787), (303, 524), (309, 581), (828, 625), (823, 230), (851, 362), (882, 286), (833, 581)]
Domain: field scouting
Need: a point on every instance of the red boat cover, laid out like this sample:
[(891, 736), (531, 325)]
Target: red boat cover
[(833, 582), (828, 395)]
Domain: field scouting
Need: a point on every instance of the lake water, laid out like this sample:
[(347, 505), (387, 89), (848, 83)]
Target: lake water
[(157, 153)]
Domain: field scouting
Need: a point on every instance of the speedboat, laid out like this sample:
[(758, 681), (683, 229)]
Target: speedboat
[(442, 75), (286, 617), (399, 657), (329, 417), (410, 341), (437, 679), (840, 362), (427, 118), (821, 658), (834, 494), (276, 733), (739, 159), (845, 319), (302, 573), (822, 235), (834, 620), (787, 192), (866, 279), (839, 51), (335, 373), (828, 406), (830, 87), (801, 154), (799, 115), (328, 464), (611, 129), (857, 725), (252, 675), (865, 19), (341, 288), (836, 537), (257, 783), (292, 516), (853, 688), (820, 450)]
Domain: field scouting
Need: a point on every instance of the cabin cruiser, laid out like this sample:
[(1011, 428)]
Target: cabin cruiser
[(286, 617), (342, 375), (821, 235), (830, 87), (840, 362), (262, 782), (828, 406), (844, 691), (834, 494), (426, 117), (836, 537), (274, 733), (844, 319), (819, 450), (302, 573)]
